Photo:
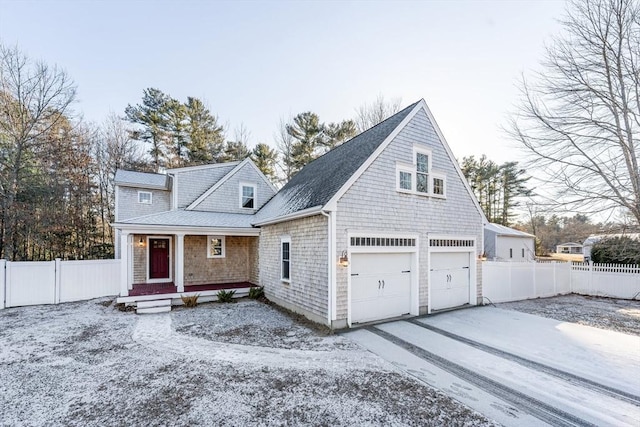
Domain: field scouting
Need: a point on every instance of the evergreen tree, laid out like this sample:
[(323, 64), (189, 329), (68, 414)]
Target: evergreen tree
[(152, 116), (235, 151), (265, 159), (312, 138), (498, 188), (206, 137)]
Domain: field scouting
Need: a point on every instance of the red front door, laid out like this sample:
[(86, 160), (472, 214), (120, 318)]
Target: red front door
[(159, 258)]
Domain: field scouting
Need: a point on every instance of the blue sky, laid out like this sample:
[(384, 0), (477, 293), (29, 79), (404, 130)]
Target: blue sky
[(255, 62)]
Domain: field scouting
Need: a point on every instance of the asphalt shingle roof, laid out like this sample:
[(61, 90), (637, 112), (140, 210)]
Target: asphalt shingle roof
[(142, 179), (506, 231), (185, 218), (321, 179)]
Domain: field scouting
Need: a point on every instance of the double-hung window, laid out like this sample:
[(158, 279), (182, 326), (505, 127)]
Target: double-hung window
[(145, 197), (418, 177), (215, 246), (285, 259), (422, 171), (247, 196)]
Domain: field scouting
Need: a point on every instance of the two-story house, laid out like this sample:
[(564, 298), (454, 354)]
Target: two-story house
[(382, 226)]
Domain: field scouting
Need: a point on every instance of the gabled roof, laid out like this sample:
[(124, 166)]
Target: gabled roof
[(142, 179), (573, 244), (184, 218), (226, 177), (321, 179), (501, 230)]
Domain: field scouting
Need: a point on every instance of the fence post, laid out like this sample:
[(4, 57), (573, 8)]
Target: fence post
[(590, 277), (510, 283), (535, 287), (58, 263), (3, 282)]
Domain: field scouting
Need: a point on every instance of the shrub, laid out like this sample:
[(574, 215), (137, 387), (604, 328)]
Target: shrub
[(616, 250), (226, 296), (256, 292), (190, 300)]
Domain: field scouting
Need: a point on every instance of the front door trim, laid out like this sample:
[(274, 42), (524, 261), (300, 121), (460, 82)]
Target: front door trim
[(164, 280)]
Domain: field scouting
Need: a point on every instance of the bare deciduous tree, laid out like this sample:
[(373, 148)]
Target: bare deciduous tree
[(369, 115), (113, 148), (580, 116), (34, 98), (284, 144)]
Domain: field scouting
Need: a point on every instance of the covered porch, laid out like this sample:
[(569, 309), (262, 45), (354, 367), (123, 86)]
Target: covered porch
[(175, 260)]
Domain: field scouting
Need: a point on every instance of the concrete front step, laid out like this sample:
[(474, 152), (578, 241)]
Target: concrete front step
[(154, 306)]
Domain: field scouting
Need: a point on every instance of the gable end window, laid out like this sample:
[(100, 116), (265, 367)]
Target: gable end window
[(145, 197), (215, 247), (285, 259), (422, 172), (438, 185), (419, 178), (247, 196), (404, 178)]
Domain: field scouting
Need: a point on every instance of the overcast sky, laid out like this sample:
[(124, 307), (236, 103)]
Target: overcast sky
[(255, 62)]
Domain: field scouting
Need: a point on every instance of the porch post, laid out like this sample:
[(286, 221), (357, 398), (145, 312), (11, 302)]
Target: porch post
[(124, 264), (179, 273)]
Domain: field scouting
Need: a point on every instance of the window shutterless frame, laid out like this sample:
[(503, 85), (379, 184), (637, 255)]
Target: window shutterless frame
[(145, 197), (285, 259), (248, 194)]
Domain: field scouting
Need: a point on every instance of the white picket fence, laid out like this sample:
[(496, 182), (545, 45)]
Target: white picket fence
[(513, 281), (53, 282)]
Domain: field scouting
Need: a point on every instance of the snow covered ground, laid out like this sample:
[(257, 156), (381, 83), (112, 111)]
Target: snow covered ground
[(517, 368), (247, 363), (606, 313)]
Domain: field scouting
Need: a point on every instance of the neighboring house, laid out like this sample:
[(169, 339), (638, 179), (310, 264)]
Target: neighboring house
[(381, 226), (507, 244), (571, 248)]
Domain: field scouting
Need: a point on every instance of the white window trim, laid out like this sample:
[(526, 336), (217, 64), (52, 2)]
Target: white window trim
[(255, 195), (150, 202), (223, 253), (426, 152), (410, 171), (443, 177), (285, 239)]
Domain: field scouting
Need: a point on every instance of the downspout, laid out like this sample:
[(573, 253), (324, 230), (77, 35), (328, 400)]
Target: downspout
[(331, 261)]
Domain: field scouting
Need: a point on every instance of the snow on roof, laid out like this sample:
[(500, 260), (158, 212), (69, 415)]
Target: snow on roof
[(570, 244), (506, 231), (321, 179), (185, 218), (142, 179)]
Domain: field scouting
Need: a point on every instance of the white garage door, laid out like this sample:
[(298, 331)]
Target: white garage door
[(449, 280), (380, 286)]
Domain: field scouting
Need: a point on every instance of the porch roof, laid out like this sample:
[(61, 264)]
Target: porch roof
[(184, 218)]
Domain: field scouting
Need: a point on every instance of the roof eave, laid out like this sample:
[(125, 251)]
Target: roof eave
[(314, 210), (187, 229)]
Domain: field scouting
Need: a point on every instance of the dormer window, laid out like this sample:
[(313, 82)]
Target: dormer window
[(248, 195), (145, 197)]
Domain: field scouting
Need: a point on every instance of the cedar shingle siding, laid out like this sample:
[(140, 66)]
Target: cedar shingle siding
[(373, 203), (308, 288), (226, 198), (128, 206)]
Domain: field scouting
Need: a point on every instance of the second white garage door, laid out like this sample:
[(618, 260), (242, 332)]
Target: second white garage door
[(380, 286), (449, 279)]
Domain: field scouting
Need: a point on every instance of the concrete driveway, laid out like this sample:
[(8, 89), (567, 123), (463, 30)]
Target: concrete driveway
[(516, 368)]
